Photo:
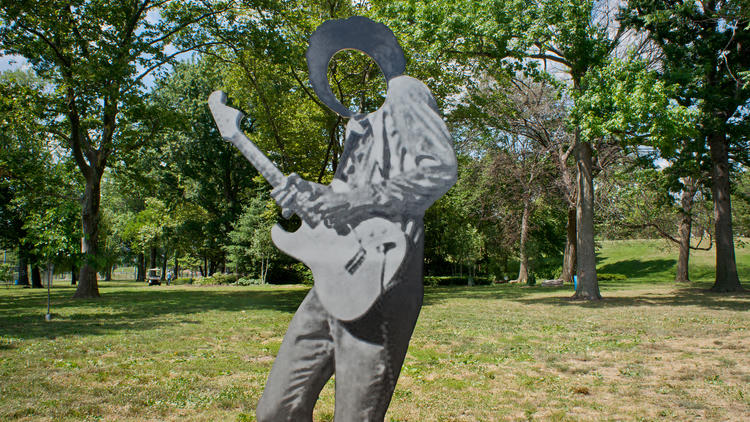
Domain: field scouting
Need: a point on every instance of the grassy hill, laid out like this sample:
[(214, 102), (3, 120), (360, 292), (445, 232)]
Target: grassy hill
[(656, 260)]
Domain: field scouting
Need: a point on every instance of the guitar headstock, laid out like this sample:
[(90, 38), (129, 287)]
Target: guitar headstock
[(227, 118)]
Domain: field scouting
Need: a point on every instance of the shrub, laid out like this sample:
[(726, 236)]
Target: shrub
[(6, 273), (216, 279), (434, 281), (304, 275), (202, 281), (220, 278), (248, 281), (610, 277)]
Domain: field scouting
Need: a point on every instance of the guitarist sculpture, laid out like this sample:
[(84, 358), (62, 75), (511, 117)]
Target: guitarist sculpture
[(362, 235)]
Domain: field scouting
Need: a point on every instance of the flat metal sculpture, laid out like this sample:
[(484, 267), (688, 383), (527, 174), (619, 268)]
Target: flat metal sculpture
[(362, 235)]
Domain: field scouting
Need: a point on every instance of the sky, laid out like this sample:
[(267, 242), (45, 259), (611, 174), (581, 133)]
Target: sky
[(12, 63)]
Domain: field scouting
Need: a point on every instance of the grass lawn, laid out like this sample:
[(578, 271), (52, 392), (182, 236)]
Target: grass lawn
[(652, 350)]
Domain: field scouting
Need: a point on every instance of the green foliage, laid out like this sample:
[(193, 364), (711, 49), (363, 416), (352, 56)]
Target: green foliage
[(250, 248), (435, 281), (629, 101), (6, 273), (610, 277), (247, 281), (217, 279)]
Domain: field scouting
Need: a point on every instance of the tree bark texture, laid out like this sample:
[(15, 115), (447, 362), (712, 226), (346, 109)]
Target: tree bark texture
[(588, 285), (87, 283), (523, 271), (23, 271), (36, 278), (727, 279), (152, 258), (164, 266), (685, 229), (141, 272), (73, 275), (569, 258)]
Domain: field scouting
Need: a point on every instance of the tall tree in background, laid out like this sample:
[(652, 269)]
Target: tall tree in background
[(96, 53), (705, 46), (36, 183), (574, 37)]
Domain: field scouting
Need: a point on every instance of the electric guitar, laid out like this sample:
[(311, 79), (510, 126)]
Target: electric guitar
[(349, 271)]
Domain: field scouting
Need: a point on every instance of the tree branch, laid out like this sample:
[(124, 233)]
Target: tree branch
[(307, 91), (64, 61), (167, 59), (550, 58), (186, 24)]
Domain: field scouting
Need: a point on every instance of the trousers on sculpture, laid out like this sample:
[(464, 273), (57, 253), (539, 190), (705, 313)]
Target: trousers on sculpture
[(366, 354)]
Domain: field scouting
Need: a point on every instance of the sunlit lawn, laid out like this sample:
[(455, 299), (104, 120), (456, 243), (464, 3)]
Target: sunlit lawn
[(651, 350)]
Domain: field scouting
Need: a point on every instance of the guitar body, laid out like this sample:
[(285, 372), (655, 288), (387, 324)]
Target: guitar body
[(350, 271)]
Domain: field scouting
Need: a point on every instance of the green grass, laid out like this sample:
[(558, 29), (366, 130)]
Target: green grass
[(656, 260), (652, 350)]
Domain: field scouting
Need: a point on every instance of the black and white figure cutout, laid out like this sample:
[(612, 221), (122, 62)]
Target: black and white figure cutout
[(362, 235)]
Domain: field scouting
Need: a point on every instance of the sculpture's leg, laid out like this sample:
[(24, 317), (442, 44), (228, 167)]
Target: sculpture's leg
[(370, 352), (302, 367)]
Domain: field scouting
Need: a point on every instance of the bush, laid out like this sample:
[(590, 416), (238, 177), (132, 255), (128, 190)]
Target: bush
[(6, 273), (434, 281), (548, 272), (248, 281), (216, 279), (610, 277), (304, 275), (202, 281)]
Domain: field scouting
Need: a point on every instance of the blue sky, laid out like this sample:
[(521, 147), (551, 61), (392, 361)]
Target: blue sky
[(12, 62)]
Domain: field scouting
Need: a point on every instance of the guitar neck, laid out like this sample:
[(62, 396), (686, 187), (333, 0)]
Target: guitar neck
[(228, 121), (265, 167)]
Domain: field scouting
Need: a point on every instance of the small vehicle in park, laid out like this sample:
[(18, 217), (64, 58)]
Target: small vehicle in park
[(154, 277)]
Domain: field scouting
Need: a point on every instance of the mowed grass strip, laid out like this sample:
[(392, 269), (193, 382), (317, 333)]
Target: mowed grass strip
[(652, 350)]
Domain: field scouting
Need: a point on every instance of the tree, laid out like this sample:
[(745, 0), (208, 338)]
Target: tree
[(514, 138), (204, 179), (574, 37), (633, 105), (250, 240), (96, 54), (704, 47), (36, 182), (638, 200)]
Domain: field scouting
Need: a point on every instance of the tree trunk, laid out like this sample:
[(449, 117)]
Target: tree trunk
[(685, 228), (569, 258), (108, 273), (152, 258), (87, 282), (523, 272), (73, 275), (23, 271), (36, 278), (164, 266), (176, 268), (727, 279), (588, 285), (141, 268)]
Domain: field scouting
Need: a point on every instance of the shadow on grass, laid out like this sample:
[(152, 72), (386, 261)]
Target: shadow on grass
[(682, 296), (438, 295), (22, 316), (635, 268), (696, 294)]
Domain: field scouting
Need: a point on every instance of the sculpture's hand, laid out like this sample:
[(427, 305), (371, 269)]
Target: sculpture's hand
[(297, 196)]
